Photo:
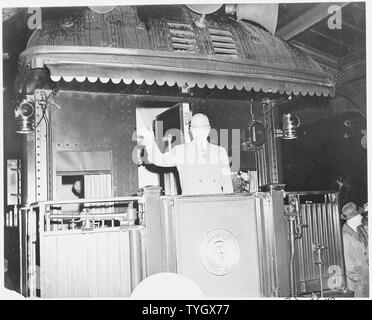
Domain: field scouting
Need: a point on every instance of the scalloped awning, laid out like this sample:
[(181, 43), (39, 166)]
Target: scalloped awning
[(128, 65), (162, 45)]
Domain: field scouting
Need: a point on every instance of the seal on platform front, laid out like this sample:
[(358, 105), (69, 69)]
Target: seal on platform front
[(219, 252)]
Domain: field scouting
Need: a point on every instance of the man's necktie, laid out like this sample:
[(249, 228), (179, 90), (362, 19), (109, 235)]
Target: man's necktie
[(203, 151)]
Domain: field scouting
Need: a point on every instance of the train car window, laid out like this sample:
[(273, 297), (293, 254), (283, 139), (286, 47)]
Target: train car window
[(75, 184), (71, 187)]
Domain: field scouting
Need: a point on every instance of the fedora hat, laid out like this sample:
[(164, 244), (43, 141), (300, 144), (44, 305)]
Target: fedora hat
[(350, 210)]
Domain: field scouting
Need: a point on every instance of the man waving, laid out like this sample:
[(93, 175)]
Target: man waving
[(203, 167)]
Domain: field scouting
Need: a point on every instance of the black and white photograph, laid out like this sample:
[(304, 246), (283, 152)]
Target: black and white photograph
[(184, 150)]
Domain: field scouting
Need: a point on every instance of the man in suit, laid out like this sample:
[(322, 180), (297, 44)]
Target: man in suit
[(355, 251), (203, 167)]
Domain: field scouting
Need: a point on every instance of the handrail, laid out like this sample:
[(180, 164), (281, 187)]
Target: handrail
[(305, 193), (78, 201), (93, 211), (93, 215)]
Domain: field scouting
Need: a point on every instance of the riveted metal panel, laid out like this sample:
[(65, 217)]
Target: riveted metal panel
[(92, 122), (42, 147)]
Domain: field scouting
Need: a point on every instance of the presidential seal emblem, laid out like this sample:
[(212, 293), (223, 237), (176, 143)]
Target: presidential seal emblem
[(219, 252)]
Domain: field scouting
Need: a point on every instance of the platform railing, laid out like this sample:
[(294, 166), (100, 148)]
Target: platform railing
[(93, 213), (53, 236), (319, 260)]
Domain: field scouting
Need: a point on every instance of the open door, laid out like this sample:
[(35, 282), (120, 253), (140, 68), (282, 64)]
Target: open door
[(172, 128)]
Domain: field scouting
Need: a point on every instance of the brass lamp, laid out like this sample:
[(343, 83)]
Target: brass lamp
[(290, 125), (24, 115)]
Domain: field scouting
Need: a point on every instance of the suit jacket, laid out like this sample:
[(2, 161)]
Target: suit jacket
[(204, 171), (356, 262)]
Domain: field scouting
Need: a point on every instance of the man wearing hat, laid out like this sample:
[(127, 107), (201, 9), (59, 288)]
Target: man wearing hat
[(355, 251), (363, 228), (203, 167)]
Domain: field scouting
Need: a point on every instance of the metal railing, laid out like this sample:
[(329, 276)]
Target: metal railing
[(41, 222), (318, 260), (93, 213)]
